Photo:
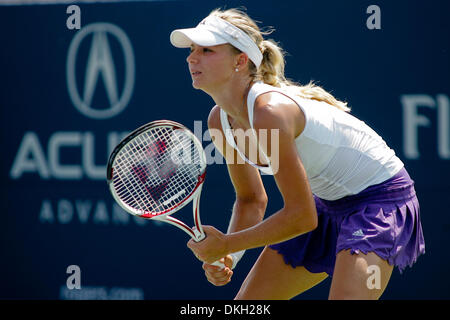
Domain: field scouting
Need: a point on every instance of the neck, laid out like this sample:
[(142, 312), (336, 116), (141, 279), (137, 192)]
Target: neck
[(232, 98)]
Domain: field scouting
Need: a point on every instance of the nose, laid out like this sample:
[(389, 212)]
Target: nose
[(192, 57)]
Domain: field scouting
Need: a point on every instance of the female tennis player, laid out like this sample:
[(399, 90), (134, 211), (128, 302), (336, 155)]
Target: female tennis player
[(349, 206)]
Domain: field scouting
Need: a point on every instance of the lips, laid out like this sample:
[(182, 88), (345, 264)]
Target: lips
[(195, 73)]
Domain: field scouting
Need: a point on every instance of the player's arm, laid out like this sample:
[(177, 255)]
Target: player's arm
[(298, 214), (280, 116), (251, 197)]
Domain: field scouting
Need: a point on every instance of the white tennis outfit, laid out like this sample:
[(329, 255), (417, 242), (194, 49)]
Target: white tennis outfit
[(341, 154)]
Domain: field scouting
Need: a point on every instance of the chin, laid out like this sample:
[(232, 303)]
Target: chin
[(198, 86)]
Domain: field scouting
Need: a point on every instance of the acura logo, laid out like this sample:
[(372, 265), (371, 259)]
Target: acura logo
[(100, 66)]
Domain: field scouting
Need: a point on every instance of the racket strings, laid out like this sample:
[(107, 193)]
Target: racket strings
[(156, 169), (134, 157)]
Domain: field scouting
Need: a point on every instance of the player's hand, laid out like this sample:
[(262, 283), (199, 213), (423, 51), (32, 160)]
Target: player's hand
[(212, 248), (218, 276)]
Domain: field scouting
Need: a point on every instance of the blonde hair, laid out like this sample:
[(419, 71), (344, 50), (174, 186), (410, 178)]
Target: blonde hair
[(271, 70)]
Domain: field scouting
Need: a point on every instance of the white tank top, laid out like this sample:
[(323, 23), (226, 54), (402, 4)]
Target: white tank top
[(341, 154)]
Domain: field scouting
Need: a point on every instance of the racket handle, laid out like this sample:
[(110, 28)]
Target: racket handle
[(218, 264), (199, 236)]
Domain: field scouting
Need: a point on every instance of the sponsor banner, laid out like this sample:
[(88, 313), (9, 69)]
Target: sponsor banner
[(79, 77)]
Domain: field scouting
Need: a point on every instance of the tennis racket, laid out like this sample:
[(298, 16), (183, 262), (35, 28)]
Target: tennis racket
[(158, 169)]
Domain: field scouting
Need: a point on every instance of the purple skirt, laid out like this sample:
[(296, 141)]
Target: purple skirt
[(383, 219)]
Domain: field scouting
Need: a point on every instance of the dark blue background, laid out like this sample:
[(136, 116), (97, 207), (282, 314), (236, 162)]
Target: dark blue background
[(326, 41)]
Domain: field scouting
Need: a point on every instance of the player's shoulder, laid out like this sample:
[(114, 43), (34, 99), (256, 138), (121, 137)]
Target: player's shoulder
[(275, 110), (274, 102), (278, 110)]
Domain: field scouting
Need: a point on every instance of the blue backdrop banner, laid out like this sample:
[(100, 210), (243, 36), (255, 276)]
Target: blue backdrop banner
[(77, 78)]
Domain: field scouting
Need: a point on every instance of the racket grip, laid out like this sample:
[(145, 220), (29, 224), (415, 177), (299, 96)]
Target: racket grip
[(218, 264), (199, 236)]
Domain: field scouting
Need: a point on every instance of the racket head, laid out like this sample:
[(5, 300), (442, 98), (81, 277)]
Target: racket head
[(156, 169)]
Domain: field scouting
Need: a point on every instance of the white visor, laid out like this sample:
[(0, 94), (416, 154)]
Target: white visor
[(213, 31)]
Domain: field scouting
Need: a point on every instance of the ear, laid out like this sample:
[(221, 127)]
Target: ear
[(241, 60)]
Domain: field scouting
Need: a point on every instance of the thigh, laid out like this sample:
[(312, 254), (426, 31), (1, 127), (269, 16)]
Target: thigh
[(272, 279), (359, 276)]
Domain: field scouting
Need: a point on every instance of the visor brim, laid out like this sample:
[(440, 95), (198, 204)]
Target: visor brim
[(184, 38)]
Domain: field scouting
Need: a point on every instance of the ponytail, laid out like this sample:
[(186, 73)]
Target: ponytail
[(271, 72)]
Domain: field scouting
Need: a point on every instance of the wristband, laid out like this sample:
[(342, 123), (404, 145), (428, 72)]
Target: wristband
[(236, 257)]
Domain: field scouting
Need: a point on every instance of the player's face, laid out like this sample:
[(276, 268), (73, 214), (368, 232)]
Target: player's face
[(211, 67)]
